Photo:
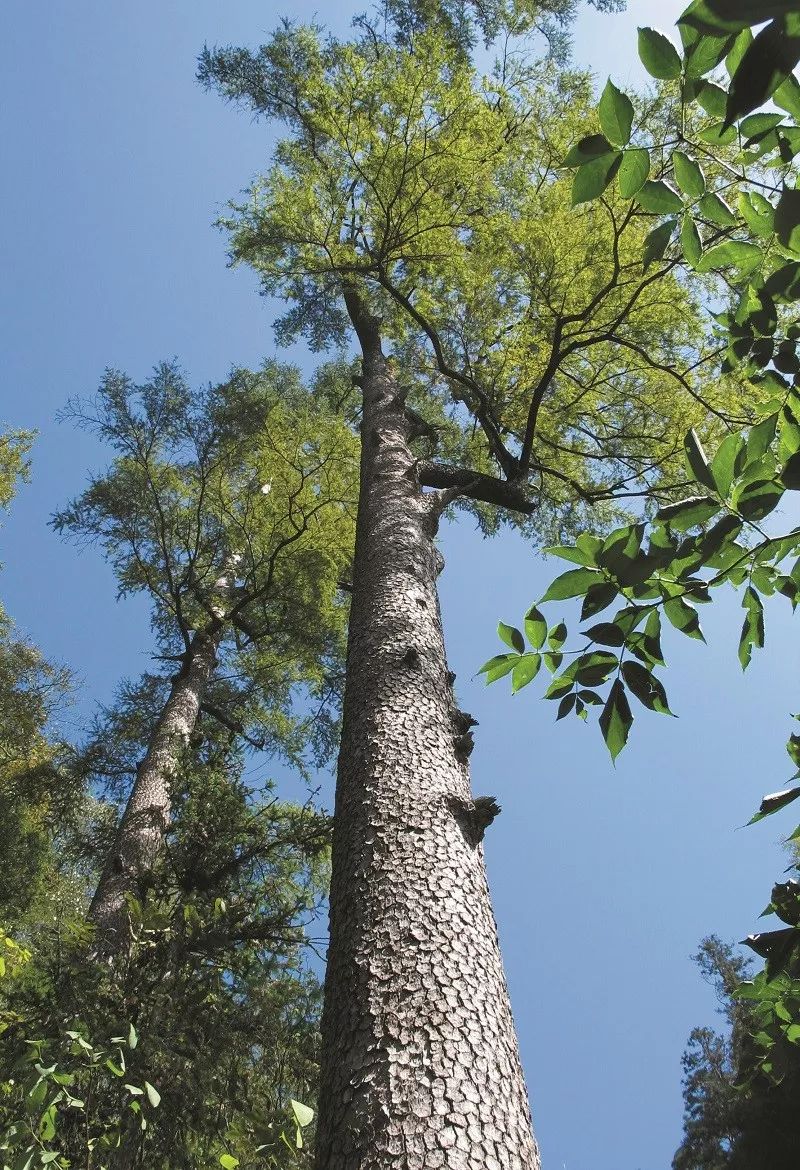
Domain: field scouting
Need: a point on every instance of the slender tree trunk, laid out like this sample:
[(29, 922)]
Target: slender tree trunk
[(141, 831), (420, 1065)]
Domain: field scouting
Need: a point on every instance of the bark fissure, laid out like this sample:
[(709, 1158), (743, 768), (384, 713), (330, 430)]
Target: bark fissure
[(420, 1068)]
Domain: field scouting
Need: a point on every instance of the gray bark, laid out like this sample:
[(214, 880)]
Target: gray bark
[(140, 835), (420, 1065)]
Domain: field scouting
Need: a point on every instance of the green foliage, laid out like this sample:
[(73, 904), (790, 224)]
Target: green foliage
[(257, 474), (739, 221), (737, 1116), (527, 330), (14, 449)]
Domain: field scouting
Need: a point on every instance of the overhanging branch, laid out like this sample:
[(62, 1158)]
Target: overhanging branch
[(476, 486)]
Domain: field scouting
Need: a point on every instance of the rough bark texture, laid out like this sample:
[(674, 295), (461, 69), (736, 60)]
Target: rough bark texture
[(420, 1066), (141, 831)]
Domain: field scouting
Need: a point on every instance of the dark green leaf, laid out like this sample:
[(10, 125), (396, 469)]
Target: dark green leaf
[(553, 660), (688, 513), (787, 219), (658, 197), (790, 475), (753, 628), (597, 598), (591, 147), (590, 670), (697, 460), (606, 634), (757, 499), (757, 125), (704, 52), (657, 242), (511, 636), (651, 641), (616, 719), (774, 802), (535, 627), (616, 114), (658, 55), (558, 687), (688, 175), (557, 636), (683, 617), (767, 62), (593, 177), (730, 15), (566, 705), (633, 171), (646, 687), (573, 583), (525, 670)]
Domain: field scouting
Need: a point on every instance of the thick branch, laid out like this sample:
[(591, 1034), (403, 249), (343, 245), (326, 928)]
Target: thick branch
[(476, 486)]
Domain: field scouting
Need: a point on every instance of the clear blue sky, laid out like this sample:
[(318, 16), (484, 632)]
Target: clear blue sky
[(604, 879)]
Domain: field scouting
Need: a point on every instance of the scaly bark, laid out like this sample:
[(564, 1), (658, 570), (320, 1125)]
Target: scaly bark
[(420, 1065), (140, 835)]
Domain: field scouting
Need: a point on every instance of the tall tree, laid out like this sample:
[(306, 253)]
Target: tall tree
[(231, 507), (421, 207)]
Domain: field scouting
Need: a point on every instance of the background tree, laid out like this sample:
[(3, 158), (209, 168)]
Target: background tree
[(422, 207), (231, 507)]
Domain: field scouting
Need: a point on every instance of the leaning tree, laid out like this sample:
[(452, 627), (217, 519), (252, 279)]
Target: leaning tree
[(232, 507)]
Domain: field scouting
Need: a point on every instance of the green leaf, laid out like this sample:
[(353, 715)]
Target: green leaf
[(133, 1039), (766, 63), (724, 463), (552, 660), (153, 1095), (731, 254), (657, 242), (703, 52), (697, 461), (774, 802), (717, 210), (760, 439), (691, 243), (787, 96), (658, 197), (688, 513), (757, 499), (557, 636), (683, 617), (616, 114), (228, 1161), (573, 583), (525, 670), (511, 636), (590, 670), (633, 171), (646, 687), (729, 15), (757, 212), (606, 634), (743, 41), (303, 1115), (598, 597), (753, 628), (47, 1124), (535, 627), (593, 177), (658, 55), (591, 147), (498, 666), (616, 719), (787, 219), (712, 99), (566, 705), (688, 175), (717, 134), (790, 475), (757, 125)]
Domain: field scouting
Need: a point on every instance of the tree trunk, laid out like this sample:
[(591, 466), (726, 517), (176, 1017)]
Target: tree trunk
[(420, 1065), (140, 835)]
